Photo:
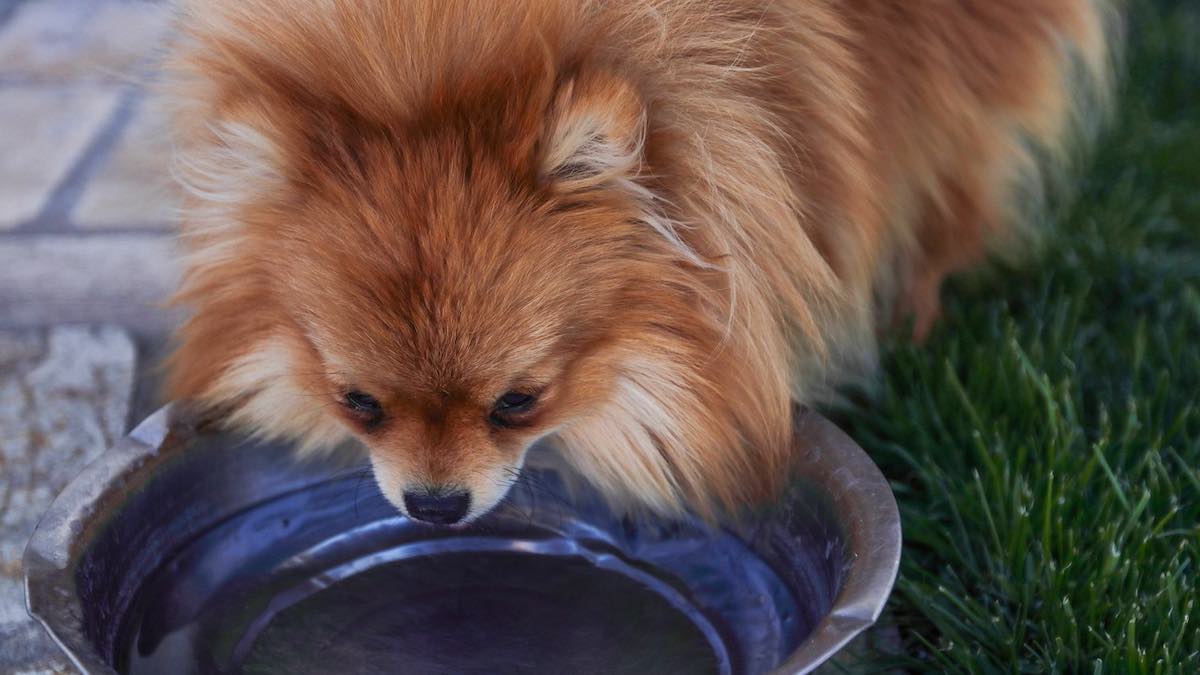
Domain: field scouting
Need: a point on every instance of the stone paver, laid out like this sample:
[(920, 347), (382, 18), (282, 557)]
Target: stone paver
[(64, 398), (70, 39), (121, 279), (134, 187), (40, 37), (43, 133), (125, 35)]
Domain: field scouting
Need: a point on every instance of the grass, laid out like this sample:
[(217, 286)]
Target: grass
[(1044, 446)]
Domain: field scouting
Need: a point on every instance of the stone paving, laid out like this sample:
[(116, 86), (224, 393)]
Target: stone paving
[(86, 218), (86, 204)]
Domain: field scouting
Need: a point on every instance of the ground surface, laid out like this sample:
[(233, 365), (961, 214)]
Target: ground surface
[(85, 225), (1043, 446)]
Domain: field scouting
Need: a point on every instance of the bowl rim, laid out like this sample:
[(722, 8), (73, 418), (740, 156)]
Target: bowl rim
[(870, 520)]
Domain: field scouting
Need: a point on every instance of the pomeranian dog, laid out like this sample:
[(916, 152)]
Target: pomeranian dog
[(646, 229)]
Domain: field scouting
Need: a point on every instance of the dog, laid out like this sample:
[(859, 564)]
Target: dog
[(442, 230)]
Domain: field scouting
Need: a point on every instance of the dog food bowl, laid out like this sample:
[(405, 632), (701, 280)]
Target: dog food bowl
[(186, 551)]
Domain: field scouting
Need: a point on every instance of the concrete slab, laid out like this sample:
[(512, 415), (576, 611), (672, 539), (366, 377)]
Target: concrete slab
[(58, 40), (117, 279), (133, 188), (44, 131)]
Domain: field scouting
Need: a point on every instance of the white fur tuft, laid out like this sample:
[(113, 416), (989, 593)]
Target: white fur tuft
[(272, 402)]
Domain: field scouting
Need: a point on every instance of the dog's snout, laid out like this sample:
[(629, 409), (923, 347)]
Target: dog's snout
[(438, 507)]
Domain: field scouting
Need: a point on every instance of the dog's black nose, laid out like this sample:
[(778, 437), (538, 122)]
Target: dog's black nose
[(439, 508)]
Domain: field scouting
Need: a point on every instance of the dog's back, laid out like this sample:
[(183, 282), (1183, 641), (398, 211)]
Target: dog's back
[(967, 99)]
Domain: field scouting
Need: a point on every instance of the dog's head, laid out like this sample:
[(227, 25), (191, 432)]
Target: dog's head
[(448, 273)]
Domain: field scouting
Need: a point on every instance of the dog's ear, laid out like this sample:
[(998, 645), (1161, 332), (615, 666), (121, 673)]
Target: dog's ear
[(594, 132), (228, 163)]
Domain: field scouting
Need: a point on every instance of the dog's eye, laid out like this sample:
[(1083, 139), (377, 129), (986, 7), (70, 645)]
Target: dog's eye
[(362, 402), (515, 402), (364, 405), (510, 406)]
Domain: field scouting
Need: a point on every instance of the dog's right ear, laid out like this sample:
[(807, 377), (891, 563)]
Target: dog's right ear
[(229, 163), (594, 133)]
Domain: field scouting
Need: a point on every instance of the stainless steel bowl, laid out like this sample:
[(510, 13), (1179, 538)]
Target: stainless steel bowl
[(185, 551)]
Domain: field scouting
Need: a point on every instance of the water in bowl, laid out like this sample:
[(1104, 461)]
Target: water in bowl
[(461, 613)]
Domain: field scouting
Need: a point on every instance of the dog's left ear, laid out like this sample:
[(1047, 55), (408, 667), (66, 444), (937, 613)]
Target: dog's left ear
[(594, 132)]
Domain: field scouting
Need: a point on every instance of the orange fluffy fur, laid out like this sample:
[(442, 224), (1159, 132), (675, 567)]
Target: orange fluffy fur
[(670, 219)]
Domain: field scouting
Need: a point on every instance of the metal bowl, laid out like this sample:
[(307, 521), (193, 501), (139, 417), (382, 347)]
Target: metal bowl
[(185, 551)]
